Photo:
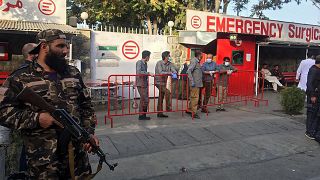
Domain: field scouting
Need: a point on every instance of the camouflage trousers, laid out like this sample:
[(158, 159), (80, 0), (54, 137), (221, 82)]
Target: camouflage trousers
[(45, 162), (13, 152)]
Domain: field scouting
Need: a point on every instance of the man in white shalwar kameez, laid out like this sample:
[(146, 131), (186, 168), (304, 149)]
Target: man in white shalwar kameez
[(266, 74), (302, 72)]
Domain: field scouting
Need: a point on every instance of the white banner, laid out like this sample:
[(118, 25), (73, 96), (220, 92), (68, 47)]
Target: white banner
[(50, 11), (276, 30)]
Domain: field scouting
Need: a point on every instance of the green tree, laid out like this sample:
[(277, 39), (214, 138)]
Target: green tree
[(154, 14), (132, 13), (257, 9), (240, 5), (316, 3)]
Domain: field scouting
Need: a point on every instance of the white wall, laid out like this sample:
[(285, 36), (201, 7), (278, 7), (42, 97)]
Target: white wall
[(102, 66), (114, 60)]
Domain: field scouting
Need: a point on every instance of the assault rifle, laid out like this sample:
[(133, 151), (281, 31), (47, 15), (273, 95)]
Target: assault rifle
[(64, 120)]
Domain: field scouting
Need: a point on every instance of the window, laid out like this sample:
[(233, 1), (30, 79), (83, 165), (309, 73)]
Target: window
[(237, 57)]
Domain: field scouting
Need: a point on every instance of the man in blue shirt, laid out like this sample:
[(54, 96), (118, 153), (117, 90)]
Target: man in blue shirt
[(208, 69)]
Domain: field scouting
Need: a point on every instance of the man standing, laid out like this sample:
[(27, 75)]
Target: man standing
[(60, 85), (163, 69), (195, 78), (12, 165), (143, 84), (225, 70), (208, 69), (28, 58), (313, 103), (303, 69)]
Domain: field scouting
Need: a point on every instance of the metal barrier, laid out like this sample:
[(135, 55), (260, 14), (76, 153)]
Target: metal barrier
[(239, 86), (123, 96)]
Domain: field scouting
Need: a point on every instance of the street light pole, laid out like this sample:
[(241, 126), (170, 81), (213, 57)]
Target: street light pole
[(170, 24), (84, 16)]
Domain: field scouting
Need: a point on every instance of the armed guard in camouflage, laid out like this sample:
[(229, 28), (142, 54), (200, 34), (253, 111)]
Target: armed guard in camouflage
[(47, 145)]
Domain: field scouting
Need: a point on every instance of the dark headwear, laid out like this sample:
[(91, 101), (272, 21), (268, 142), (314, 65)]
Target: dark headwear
[(197, 53), (27, 48), (226, 59), (47, 36)]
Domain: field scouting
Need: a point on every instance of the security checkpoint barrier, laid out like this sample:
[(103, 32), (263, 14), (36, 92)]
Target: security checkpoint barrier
[(122, 97), (242, 86), (126, 92)]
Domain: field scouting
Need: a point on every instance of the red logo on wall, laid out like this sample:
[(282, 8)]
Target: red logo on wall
[(130, 49), (47, 7), (196, 22)]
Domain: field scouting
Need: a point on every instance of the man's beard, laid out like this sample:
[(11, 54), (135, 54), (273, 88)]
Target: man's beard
[(59, 64)]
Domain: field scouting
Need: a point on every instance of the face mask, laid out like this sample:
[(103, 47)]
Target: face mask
[(226, 63), (59, 64), (209, 60)]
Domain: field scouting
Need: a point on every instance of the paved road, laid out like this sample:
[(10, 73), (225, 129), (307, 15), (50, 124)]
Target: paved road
[(243, 143)]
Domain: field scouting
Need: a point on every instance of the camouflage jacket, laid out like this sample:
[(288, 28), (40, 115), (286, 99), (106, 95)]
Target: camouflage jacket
[(65, 91)]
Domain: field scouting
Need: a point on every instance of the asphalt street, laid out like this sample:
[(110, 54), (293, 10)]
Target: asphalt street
[(246, 142)]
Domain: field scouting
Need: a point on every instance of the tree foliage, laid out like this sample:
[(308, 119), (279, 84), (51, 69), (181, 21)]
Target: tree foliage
[(257, 9), (154, 14), (316, 3)]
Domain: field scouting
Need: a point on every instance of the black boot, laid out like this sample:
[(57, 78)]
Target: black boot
[(144, 117)]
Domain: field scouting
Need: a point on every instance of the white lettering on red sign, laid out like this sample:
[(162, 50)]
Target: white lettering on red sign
[(196, 22), (130, 49), (47, 7)]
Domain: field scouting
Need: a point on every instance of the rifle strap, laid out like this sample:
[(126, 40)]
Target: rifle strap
[(71, 164), (71, 160)]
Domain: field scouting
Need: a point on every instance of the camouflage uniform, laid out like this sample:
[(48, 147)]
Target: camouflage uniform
[(13, 152), (66, 91)]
